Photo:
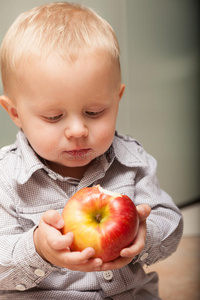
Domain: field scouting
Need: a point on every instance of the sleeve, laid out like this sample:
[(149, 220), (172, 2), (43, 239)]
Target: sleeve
[(165, 223), (21, 267)]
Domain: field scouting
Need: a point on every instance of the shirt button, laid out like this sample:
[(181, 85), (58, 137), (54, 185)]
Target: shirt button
[(39, 273), (20, 287), (144, 256), (107, 275)]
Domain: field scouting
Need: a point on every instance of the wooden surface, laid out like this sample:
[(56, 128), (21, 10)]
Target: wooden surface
[(180, 273)]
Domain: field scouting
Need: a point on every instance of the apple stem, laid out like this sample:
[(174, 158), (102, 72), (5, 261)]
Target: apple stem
[(98, 217)]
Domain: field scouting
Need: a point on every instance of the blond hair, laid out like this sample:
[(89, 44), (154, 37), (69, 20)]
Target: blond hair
[(60, 28)]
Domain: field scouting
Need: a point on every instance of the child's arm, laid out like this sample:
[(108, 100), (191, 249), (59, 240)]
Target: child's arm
[(18, 258), (53, 247)]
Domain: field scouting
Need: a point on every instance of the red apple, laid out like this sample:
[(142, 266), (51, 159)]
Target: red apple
[(103, 220)]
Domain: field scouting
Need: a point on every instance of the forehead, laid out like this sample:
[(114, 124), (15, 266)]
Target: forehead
[(96, 61), (53, 76), (34, 69)]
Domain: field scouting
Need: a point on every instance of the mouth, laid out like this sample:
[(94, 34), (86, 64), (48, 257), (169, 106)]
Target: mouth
[(77, 153)]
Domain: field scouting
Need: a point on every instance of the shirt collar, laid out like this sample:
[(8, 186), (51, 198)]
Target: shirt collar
[(125, 149), (27, 160)]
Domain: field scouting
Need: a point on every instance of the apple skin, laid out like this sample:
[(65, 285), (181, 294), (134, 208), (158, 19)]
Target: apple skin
[(105, 221)]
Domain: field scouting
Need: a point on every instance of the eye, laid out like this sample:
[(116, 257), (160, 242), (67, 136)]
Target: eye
[(94, 113), (54, 118)]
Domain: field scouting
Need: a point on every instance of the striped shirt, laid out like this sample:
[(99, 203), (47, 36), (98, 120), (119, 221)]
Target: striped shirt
[(28, 188)]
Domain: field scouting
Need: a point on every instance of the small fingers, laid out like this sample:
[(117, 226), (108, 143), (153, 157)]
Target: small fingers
[(138, 244), (116, 264), (82, 261), (144, 211), (75, 258), (132, 251), (60, 242), (53, 218), (91, 265)]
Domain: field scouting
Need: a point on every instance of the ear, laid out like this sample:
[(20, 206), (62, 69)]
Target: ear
[(121, 90), (11, 109)]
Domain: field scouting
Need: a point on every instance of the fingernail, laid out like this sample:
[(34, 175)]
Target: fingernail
[(142, 210), (70, 235), (60, 223), (98, 263), (124, 253), (91, 252)]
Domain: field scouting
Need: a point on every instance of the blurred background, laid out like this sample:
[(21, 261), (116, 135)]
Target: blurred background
[(160, 66)]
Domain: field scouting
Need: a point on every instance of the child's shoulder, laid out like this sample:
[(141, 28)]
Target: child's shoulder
[(129, 151), (6, 151), (8, 166), (127, 139), (13, 151)]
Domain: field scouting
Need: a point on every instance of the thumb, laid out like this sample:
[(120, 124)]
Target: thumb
[(144, 211), (53, 218)]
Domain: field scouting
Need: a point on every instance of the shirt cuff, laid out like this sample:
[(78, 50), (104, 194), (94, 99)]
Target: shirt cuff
[(152, 249), (31, 269)]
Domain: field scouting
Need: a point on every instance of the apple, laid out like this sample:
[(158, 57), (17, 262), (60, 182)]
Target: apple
[(104, 220)]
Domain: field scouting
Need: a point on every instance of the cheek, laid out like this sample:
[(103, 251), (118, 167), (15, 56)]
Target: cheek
[(40, 144), (103, 135), (43, 141), (106, 127)]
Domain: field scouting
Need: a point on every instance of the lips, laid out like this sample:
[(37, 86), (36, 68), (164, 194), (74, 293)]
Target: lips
[(78, 153)]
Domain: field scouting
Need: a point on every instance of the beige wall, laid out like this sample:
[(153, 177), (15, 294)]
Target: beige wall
[(159, 55)]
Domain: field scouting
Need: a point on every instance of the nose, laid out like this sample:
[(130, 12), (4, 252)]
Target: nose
[(76, 129)]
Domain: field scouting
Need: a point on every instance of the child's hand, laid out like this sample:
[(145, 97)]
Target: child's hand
[(53, 247), (128, 254)]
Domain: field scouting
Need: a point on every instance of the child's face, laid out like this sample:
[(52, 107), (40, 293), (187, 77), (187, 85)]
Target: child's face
[(68, 111)]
